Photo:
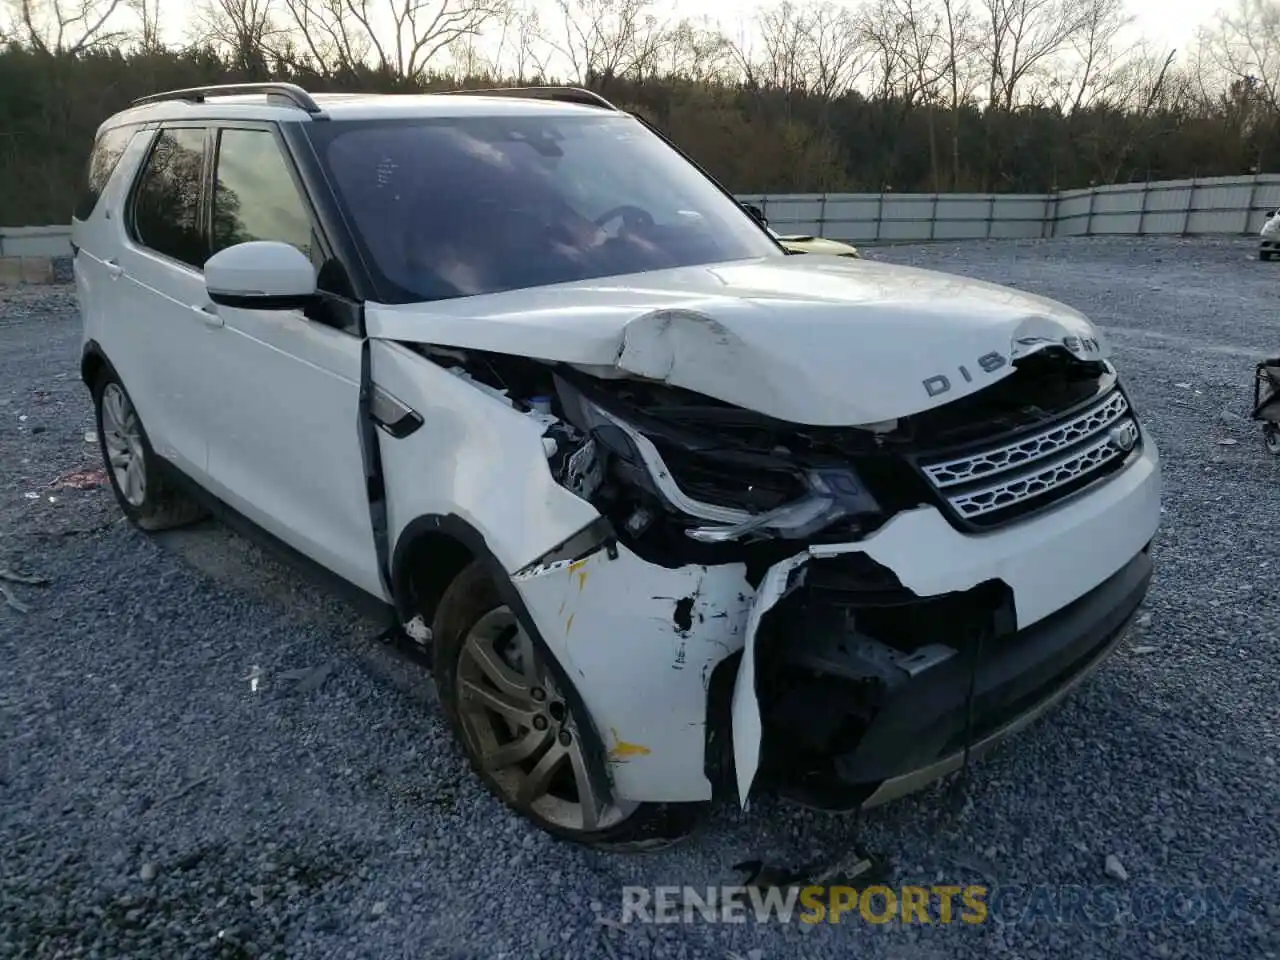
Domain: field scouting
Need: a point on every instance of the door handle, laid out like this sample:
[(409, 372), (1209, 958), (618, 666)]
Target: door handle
[(114, 270), (209, 314)]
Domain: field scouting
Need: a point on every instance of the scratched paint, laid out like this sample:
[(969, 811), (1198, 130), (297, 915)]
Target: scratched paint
[(622, 750)]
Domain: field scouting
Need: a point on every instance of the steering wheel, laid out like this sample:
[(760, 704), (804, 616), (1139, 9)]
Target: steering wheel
[(631, 215)]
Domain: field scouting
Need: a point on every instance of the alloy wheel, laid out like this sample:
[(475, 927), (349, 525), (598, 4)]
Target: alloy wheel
[(522, 731), (122, 436)]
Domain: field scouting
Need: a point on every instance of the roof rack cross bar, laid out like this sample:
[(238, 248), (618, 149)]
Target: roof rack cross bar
[(290, 91), (565, 94)]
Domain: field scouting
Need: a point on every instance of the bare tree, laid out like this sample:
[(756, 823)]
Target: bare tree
[(910, 63), (1094, 61), (838, 54), (1243, 46), (64, 26), (1147, 95), (247, 29), (468, 59), (601, 39), (1021, 37), (818, 48), (960, 45), (147, 16), (888, 36), (518, 34), (650, 48), (331, 45), (402, 37), (925, 61), (422, 29), (698, 51), (785, 42)]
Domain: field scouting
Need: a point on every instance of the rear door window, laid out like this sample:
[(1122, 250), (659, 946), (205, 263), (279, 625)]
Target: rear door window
[(166, 202), (103, 159)]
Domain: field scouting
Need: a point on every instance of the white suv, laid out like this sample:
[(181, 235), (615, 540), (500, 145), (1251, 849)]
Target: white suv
[(677, 515)]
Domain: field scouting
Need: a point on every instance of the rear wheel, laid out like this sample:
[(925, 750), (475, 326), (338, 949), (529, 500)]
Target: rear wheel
[(523, 727), (145, 495)]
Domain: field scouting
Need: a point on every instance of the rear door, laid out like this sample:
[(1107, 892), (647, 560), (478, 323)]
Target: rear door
[(164, 335)]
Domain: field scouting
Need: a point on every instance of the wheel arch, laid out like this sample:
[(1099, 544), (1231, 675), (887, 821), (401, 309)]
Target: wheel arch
[(93, 361), (429, 554), (461, 544)]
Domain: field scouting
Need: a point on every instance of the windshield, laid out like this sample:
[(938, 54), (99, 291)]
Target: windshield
[(455, 207)]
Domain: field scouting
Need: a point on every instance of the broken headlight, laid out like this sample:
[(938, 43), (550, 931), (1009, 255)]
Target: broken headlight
[(728, 492)]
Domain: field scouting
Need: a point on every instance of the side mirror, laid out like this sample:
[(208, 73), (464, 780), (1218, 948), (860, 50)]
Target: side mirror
[(756, 213), (260, 275)]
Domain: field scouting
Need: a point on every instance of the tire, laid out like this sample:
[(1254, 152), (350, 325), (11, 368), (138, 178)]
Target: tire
[(145, 494), (473, 625), (1271, 438)]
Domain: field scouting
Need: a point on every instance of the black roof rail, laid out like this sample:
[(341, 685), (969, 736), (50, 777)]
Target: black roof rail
[(587, 98), (290, 91)]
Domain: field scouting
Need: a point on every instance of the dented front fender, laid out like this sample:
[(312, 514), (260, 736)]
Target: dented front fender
[(640, 642)]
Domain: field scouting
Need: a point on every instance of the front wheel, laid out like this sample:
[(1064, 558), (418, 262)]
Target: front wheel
[(1271, 438), (522, 727)]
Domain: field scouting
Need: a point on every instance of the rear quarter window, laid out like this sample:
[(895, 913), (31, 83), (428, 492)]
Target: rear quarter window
[(103, 160)]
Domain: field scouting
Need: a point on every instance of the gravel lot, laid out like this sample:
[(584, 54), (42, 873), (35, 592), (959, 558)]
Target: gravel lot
[(207, 757)]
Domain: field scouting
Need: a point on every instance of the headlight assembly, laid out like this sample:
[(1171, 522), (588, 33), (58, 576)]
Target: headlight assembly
[(768, 496)]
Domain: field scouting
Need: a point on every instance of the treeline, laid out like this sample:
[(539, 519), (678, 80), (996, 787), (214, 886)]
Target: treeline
[(902, 95)]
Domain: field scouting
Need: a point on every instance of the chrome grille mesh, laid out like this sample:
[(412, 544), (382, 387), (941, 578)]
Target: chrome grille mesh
[(1001, 477)]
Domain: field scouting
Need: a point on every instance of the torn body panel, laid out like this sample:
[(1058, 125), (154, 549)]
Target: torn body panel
[(747, 730), (475, 456), (641, 641)]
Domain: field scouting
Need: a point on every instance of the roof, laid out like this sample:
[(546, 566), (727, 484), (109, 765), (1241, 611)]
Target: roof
[(347, 106)]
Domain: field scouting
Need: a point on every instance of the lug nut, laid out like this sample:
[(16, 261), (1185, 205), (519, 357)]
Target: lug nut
[(565, 738), (539, 694), (539, 722)]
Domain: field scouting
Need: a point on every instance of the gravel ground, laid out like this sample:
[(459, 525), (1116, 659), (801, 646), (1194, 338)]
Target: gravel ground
[(207, 757)]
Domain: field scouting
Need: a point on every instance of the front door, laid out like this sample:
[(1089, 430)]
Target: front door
[(285, 450)]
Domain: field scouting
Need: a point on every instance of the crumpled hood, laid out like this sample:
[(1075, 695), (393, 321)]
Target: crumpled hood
[(807, 244), (815, 340)]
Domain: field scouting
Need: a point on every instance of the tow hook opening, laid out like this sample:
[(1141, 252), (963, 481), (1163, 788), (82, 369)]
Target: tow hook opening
[(833, 653)]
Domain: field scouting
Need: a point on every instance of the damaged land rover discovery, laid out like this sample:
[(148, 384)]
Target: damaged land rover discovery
[(675, 515)]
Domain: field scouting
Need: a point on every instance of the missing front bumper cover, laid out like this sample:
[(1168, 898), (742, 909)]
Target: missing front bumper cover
[(865, 697)]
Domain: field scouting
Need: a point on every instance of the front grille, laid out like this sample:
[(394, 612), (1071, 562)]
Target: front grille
[(1002, 482)]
